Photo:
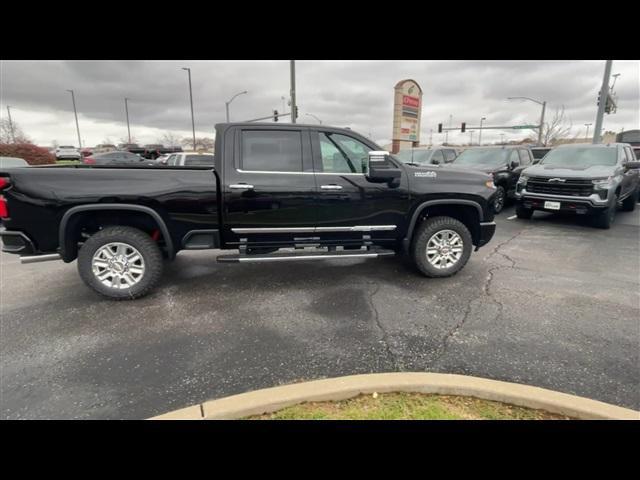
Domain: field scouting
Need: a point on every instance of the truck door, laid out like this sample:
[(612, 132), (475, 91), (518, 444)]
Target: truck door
[(269, 189), (348, 205)]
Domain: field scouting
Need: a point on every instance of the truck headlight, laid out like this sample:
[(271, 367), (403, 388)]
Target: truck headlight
[(602, 183)]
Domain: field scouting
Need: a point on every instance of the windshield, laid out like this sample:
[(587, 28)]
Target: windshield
[(414, 156), (482, 158), (581, 157)]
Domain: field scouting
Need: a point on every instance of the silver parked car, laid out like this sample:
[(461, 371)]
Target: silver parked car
[(10, 162), (427, 156)]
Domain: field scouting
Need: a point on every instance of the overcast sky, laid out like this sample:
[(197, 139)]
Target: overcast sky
[(355, 94)]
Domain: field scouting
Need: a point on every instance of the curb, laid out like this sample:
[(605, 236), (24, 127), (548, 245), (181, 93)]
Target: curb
[(276, 398)]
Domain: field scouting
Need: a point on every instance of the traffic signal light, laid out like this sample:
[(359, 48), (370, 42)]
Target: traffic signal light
[(275, 115), (439, 128), (599, 98), (296, 112), (463, 127)]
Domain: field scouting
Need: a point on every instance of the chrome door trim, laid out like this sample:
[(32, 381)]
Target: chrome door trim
[(241, 186), (330, 187), (356, 228)]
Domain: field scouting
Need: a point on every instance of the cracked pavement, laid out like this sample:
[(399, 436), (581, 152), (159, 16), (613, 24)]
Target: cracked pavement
[(550, 302)]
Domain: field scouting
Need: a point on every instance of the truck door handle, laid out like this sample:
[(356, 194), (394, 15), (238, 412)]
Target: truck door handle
[(330, 187), (241, 186)]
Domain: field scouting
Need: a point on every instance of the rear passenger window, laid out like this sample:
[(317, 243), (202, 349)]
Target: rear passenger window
[(271, 150), (449, 155), (524, 157), (437, 157)]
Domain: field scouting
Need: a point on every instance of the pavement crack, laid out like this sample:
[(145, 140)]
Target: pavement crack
[(385, 336), (485, 292)]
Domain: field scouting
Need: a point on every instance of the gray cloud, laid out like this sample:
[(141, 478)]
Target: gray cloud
[(358, 94)]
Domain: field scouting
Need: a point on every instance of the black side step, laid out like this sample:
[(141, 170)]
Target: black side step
[(285, 256)]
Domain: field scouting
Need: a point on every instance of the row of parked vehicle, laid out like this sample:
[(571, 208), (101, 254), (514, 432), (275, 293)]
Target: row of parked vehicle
[(148, 152), (584, 179)]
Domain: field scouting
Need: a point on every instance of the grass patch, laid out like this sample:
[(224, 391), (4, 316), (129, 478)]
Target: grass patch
[(68, 162), (408, 406)]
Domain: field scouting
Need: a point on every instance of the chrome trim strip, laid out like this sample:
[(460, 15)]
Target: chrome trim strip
[(356, 228), (298, 173), (308, 257), (487, 223), (40, 258), (241, 186)]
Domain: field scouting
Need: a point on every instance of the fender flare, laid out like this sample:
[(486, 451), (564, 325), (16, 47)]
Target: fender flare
[(416, 214), (114, 206)]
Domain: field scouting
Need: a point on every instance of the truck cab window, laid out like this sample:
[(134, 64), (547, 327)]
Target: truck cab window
[(333, 159), (355, 151), (271, 150)]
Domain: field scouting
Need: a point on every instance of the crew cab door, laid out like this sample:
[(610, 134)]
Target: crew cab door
[(348, 205), (269, 188)]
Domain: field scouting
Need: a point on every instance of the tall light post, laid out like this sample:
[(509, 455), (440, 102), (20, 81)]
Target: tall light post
[(284, 108), (73, 99), (544, 106), (126, 110), (193, 123), (13, 136), (294, 108), (446, 135), (471, 137), (320, 121), (231, 100), (480, 133), (586, 136), (502, 138), (430, 136), (604, 95)]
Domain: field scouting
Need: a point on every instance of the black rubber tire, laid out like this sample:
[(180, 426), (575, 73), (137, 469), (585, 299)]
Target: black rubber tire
[(629, 203), (149, 250), (524, 213), (605, 219), (501, 193), (425, 231)]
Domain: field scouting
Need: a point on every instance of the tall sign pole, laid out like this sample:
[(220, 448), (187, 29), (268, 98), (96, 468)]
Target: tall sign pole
[(294, 108), (126, 109), (604, 92), (13, 136), (75, 112)]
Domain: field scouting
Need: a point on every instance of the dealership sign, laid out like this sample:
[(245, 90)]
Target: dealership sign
[(407, 110)]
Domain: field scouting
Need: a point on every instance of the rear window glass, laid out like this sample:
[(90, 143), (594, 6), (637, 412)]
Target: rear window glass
[(198, 160), (272, 150)]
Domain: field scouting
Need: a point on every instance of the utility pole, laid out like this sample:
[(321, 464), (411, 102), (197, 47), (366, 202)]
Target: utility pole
[(470, 137), (480, 133), (430, 136), (586, 137), (126, 109), (604, 92), (294, 109), (13, 136), (193, 123), (502, 138), (446, 135), (75, 112)]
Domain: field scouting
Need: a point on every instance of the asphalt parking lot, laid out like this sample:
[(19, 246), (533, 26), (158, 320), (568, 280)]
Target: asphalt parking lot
[(550, 302)]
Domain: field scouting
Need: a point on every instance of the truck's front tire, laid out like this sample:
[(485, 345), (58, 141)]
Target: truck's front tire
[(629, 203), (441, 246), (524, 213), (122, 263)]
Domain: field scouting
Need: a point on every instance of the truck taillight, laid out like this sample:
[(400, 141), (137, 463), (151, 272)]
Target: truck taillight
[(4, 182), (4, 211)]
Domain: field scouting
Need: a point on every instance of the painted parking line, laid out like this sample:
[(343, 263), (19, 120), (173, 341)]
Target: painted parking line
[(512, 217)]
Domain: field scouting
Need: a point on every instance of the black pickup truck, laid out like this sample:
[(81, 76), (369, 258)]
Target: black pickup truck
[(153, 151), (131, 148), (315, 191)]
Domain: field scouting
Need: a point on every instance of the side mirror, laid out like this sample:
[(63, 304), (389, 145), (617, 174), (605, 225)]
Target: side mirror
[(632, 165), (380, 168), (435, 161)]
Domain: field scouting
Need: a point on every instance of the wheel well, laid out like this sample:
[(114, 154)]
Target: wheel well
[(466, 214), (84, 224)]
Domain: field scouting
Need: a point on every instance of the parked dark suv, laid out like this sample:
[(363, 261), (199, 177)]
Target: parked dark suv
[(427, 156), (505, 163), (583, 179)]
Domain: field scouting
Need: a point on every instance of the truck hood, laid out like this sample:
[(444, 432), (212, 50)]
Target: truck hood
[(594, 171)]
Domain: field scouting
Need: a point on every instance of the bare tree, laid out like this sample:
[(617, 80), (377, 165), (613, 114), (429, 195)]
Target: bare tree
[(170, 139), (205, 143), (126, 140), (557, 128), (6, 136)]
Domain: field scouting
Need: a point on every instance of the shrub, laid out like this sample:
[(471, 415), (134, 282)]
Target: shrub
[(33, 154)]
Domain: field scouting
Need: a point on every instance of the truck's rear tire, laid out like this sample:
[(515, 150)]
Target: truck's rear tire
[(122, 263), (441, 247)]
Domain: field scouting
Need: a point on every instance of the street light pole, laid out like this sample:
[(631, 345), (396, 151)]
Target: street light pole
[(292, 68), (13, 136), (193, 123), (480, 133), (446, 135), (312, 115), (604, 93), (126, 109), (75, 112), (430, 136), (586, 137), (231, 100), (544, 107)]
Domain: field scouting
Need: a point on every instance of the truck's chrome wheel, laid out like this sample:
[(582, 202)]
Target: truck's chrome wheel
[(444, 249), (118, 265)]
